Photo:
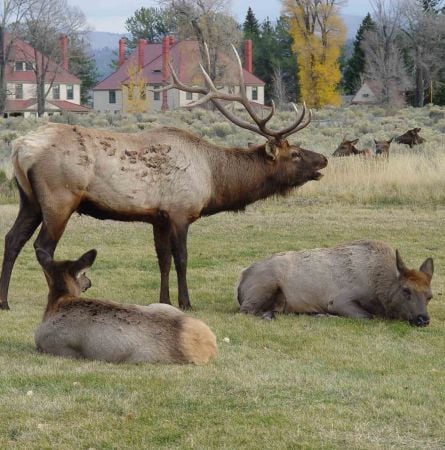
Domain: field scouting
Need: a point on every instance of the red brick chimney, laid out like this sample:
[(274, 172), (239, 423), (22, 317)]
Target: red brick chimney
[(121, 51), (141, 52), (165, 69), (63, 42), (248, 64)]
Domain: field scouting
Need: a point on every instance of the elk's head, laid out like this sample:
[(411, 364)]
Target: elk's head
[(346, 148), (294, 164), (382, 147), (412, 293), (66, 277)]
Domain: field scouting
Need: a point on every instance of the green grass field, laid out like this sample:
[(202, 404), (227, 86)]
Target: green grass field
[(297, 382)]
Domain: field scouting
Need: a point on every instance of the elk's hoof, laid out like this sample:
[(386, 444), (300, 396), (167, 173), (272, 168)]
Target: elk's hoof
[(4, 306), (268, 315)]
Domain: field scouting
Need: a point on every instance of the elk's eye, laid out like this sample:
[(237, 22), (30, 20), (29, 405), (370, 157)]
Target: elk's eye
[(295, 154), (406, 293)]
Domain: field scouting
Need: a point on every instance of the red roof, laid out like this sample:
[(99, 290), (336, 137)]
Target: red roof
[(21, 51), (63, 105), (185, 58)]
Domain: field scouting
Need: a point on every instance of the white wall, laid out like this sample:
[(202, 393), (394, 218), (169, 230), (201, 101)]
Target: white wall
[(101, 103), (29, 91)]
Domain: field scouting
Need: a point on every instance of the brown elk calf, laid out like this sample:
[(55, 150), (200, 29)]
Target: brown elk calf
[(75, 327), (347, 148), (382, 148), (166, 177), (361, 279), (411, 138)]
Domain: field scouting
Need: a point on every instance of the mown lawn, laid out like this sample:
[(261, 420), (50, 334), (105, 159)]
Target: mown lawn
[(298, 382)]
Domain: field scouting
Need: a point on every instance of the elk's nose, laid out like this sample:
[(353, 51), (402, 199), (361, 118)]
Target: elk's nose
[(421, 321)]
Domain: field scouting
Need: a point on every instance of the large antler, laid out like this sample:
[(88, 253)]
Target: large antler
[(213, 94)]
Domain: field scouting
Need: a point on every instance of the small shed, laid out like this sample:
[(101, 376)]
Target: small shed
[(365, 95)]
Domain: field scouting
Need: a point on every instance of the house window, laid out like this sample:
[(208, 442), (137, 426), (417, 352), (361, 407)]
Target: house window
[(28, 66), (69, 92), (22, 66), (156, 95), (189, 95), (18, 66), (111, 96), (56, 91), (142, 93), (365, 95), (19, 91), (254, 93)]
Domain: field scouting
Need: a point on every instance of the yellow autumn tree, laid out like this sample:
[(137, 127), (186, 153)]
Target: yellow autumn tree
[(318, 35), (134, 90)]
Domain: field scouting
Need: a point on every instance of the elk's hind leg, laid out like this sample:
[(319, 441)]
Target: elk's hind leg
[(161, 234), (179, 250), (28, 219)]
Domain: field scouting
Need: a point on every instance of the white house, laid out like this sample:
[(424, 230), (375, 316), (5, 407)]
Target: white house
[(21, 83)]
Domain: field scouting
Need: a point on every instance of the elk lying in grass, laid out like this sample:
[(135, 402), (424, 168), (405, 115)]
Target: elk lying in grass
[(360, 279), (347, 148), (382, 148), (411, 138), (76, 327), (166, 177)]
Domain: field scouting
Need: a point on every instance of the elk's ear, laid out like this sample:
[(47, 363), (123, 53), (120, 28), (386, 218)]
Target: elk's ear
[(251, 144), (417, 130), (44, 258), (85, 261), (354, 141), (428, 267), (400, 264), (271, 149), (376, 141), (389, 142)]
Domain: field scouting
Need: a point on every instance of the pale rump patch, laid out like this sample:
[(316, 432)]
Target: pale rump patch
[(197, 341)]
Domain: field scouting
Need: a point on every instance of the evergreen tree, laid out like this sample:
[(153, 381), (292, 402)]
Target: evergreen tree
[(251, 27), (355, 65)]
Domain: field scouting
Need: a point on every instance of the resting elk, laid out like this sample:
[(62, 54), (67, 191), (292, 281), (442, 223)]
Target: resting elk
[(76, 327), (411, 138), (382, 148), (347, 148), (360, 279), (166, 176)]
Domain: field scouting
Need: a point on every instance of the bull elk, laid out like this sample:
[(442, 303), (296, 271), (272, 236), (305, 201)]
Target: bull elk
[(76, 327), (166, 176), (411, 138)]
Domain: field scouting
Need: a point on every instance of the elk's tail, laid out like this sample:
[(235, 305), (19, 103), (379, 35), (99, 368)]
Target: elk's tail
[(197, 341)]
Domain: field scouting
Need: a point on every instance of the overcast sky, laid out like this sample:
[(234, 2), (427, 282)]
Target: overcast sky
[(110, 15)]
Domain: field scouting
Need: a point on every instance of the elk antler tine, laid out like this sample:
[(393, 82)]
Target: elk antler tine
[(207, 78), (270, 115), (240, 70), (206, 48)]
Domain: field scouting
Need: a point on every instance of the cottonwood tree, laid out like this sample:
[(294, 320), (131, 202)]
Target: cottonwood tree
[(384, 60), (424, 35), (208, 22), (318, 34), (42, 26), (11, 15)]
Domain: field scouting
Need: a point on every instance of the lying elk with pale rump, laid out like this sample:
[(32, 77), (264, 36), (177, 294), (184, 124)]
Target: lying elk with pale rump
[(347, 148), (411, 138), (76, 327), (166, 177), (361, 279)]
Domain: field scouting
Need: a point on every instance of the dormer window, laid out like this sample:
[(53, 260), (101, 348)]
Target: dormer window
[(23, 66), (157, 71)]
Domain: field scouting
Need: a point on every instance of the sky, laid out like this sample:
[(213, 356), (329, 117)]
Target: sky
[(110, 15)]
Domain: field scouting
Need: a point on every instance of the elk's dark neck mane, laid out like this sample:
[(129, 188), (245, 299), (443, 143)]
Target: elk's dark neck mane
[(241, 176)]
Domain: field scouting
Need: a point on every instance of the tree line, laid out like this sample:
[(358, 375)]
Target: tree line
[(399, 47)]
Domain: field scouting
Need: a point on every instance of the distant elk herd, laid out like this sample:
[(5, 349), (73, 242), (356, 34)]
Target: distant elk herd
[(169, 178), (348, 148)]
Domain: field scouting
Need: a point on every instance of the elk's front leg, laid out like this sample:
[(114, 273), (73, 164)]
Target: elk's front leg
[(179, 249), (164, 252), (348, 308)]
